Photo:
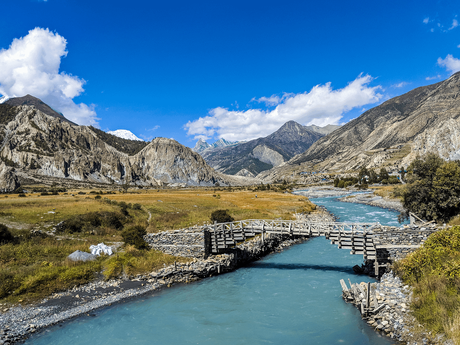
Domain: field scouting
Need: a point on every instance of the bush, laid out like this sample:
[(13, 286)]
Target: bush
[(433, 188), (5, 235), (22, 195), (221, 216), (137, 206), (134, 235)]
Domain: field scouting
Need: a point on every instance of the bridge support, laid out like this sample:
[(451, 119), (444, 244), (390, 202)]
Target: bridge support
[(207, 244)]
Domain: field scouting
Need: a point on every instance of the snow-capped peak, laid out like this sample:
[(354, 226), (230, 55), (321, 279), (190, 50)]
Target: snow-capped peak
[(125, 134), (3, 99)]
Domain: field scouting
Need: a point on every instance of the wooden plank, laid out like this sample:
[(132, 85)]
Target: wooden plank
[(344, 286)]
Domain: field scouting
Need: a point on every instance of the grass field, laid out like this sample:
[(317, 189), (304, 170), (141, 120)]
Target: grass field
[(36, 266)]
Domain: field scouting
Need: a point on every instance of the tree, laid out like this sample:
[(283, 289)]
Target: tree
[(361, 176), (221, 216), (373, 178), (433, 188), (383, 175)]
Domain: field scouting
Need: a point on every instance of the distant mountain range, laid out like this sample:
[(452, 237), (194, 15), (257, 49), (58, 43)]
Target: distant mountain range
[(39, 145), (426, 119), (125, 134), (252, 157)]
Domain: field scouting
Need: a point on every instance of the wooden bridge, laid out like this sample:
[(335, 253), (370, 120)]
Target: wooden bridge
[(357, 237)]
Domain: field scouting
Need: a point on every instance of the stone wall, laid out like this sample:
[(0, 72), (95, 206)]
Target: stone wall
[(395, 242), (186, 242)]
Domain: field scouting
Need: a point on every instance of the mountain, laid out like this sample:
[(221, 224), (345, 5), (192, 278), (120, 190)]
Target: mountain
[(37, 103), (36, 147), (426, 119), (323, 130), (202, 145), (264, 153), (125, 134)]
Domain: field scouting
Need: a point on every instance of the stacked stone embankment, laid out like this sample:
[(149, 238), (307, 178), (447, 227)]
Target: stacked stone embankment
[(396, 242), (188, 243)]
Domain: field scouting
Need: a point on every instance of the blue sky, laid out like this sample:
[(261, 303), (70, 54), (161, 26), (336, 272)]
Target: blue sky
[(232, 69)]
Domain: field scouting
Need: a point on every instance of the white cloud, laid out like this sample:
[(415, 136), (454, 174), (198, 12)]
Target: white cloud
[(426, 20), (321, 106), (401, 84), (454, 24), (458, 46), (450, 63), (434, 77), (269, 101), (31, 66)]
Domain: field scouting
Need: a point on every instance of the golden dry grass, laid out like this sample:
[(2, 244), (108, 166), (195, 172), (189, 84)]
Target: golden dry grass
[(37, 267)]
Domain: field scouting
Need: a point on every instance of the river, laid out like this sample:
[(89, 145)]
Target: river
[(293, 297)]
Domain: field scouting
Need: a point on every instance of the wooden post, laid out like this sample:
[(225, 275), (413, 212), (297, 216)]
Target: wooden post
[(368, 304), (263, 234), (376, 266), (207, 244)]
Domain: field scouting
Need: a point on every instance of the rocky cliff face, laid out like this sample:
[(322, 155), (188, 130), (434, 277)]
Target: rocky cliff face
[(264, 153), (424, 119), (35, 146)]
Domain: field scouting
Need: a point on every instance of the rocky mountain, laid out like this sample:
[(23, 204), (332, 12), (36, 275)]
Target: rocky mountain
[(125, 134), (202, 145), (264, 153), (323, 130), (426, 119), (37, 147), (38, 104)]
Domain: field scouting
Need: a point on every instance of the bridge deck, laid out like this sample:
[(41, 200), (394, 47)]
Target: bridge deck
[(357, 237)]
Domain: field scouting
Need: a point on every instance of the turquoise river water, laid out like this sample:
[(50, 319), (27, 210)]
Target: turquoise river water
[(293, 297)]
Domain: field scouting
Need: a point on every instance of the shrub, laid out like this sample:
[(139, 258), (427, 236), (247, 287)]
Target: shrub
[(137, 206), (134, 235), (5, 235), (221, 216), (97, 197), (22, 195)]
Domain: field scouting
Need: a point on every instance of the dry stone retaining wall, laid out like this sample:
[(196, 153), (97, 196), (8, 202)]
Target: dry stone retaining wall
[(186, 242)]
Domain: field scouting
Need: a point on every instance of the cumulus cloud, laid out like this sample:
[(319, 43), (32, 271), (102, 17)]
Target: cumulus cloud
[(454, 24), (321, 106), (426, 20), (31, 66), (450, 63)]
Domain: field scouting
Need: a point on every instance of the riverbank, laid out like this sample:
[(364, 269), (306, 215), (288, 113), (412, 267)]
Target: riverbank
[(19, 322), (389, 311), (363, 197), (374, 200)]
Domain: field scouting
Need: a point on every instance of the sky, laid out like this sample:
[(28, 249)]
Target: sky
[(222, 69)]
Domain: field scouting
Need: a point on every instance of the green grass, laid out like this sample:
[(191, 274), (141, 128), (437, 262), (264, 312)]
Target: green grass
[(434, 273)]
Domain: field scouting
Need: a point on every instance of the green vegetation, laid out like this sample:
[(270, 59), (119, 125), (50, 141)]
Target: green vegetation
[(221, 216), (434, 272), (134, 235), (130, 147), (433, 188), (5, 235)]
